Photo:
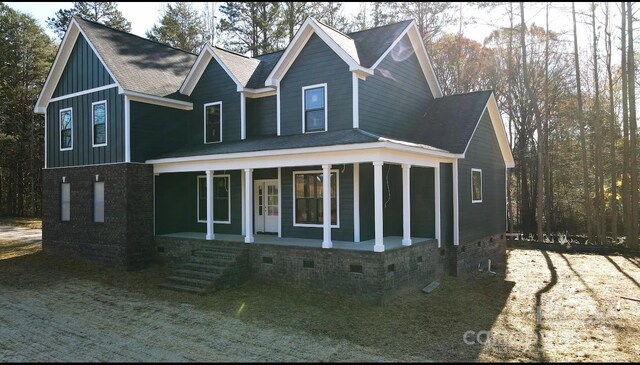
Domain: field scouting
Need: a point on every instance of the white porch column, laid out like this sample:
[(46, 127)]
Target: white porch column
[(377, 193), (248, 207), (210, 234), (243, 198), (456, 217), (326, 206), (356, 202), (436, 191), (406, 204)]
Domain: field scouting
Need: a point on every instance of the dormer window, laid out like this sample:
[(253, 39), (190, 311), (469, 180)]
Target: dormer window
[(314, 115), (213, 122)]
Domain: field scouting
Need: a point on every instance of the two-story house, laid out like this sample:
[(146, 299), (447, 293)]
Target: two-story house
[(338, 160)]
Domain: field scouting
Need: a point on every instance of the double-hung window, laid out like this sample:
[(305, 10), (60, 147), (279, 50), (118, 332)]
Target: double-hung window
[(99, 122), (308, 207), (314, 113), (66, 129), (213, 122), (221, 199), (476, 186)]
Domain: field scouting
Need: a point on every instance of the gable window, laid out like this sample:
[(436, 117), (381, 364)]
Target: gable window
[(98, 201), (66, 129), (314, 111), (65, 202), (308, 193), (221, 199), (213, 122), (99, 121), (476, 186)]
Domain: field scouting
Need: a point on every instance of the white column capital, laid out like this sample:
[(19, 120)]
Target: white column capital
[(326, 167), (248, 170), (378, 163), (406, 166)]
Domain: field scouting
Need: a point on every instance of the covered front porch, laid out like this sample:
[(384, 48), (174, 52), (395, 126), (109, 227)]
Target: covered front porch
[(383, 196)]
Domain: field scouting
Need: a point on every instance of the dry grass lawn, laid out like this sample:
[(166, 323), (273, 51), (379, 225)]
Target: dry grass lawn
[(62, 309), (35, 223)]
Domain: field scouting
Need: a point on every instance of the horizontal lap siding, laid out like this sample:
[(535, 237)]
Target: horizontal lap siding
[(176, 204), (317, 63), (83, 71), (156, 130), (479, 220), (345, 232), (394, 101), (216, 85), (262, 117), (83, 152)]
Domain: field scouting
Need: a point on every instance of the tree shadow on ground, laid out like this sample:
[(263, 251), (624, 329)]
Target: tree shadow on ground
[(554, 280), (622, 271)]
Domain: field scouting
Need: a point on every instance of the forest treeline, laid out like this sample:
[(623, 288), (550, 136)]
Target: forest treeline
[(568, 96)]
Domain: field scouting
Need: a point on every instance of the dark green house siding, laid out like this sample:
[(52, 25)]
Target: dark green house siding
[(216, 85), (345, 192), (83, 71), (156, 130), (478, 220), (83, 152), (176, 204), (262, 116), (395, 99), (422, 201), (316, 64)]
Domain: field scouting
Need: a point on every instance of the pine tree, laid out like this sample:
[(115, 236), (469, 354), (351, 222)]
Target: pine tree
[(106, 13), (179, 26), (253, 27)]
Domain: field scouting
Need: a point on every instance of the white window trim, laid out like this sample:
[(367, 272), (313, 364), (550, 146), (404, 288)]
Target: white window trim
[(473, 200), (204, 177), (326, 105), (60, 128), (93, 124), (205, 121), (336, 171)]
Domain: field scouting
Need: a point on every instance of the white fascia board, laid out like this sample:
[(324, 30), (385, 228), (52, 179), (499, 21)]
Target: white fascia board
[(158, 100), (200, 66), (297, 44), (499, 130), (59, 63)]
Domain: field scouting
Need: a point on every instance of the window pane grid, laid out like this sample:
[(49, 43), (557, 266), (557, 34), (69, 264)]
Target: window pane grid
[(309, 199), (221, 199), (213, 130)]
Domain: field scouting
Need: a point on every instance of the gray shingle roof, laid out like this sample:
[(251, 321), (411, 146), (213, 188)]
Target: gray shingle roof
[(344, 41), (450, 121), (267, 63), (139, 64), (372, 43), (240, 66)]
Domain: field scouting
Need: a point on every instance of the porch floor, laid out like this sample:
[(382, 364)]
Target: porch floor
[(390, 242)]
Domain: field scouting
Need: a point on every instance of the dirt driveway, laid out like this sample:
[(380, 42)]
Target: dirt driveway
[(544, 307)]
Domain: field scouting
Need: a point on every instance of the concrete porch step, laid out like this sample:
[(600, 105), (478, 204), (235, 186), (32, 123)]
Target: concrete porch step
[(212, 268), (220, 249), (214, 261), (214, 254)]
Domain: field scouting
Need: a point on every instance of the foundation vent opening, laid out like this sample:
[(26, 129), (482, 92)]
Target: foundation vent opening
[(267, 260), (308, 264), (355, 268), (160, 249), (419, 259), (391, 268)]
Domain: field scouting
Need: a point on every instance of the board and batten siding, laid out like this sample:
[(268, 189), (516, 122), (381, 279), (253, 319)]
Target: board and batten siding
[(446, 204), (176, 203), (157, 130), (262, 116), (317, 63), (394, 100), (478, 220), (83, 71), (83, 152), (216, 85), (345, 215)]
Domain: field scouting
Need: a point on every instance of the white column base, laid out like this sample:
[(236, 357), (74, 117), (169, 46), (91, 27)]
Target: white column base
[(378, 247), (211, 237), (327, 244), (406, 242)]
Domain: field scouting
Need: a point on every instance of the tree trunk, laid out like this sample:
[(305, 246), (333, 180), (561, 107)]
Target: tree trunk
[(583, 140), (614, 133), (597, 128), (633, 138)]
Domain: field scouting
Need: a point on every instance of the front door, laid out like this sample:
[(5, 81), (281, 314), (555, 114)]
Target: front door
[(265, 206)]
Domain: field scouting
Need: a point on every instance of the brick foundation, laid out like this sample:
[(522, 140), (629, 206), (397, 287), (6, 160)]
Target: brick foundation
[(125, 238), (467, 256)]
